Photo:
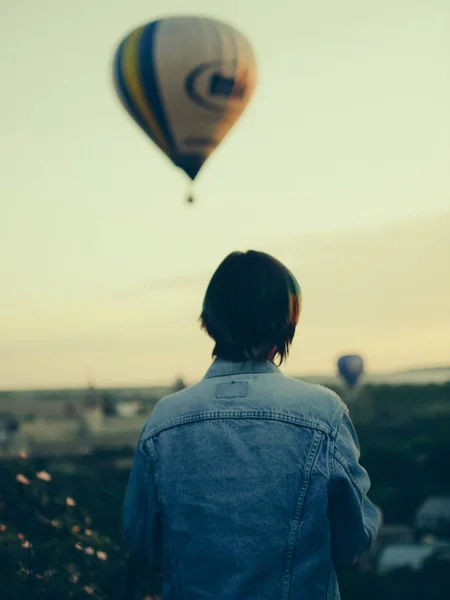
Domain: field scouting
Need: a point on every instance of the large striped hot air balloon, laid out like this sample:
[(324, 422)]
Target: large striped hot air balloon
[(185, 81)]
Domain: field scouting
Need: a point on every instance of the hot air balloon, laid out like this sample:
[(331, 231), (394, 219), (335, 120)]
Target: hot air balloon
[(350, 367), (185, 81)]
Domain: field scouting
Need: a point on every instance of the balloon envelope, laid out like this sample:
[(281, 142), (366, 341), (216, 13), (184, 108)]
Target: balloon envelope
[(350, 367), (185, 81)]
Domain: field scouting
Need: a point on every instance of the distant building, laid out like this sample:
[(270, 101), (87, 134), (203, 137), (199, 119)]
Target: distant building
[(433, 518), (128, 409), (396, 534), (388, 535), (47, 431), (398, 556), (70, 410)]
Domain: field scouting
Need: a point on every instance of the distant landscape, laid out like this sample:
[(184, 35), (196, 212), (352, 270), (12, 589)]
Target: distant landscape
[(65, 457), (410, 376), (418, 376)]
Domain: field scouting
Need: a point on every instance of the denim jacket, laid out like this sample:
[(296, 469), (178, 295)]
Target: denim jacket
[(247, 486)]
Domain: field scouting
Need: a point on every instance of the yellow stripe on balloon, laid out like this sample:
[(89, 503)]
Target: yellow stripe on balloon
[(133, 80)]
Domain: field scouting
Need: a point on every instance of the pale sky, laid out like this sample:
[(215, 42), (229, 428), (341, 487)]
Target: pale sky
[(340, 167)]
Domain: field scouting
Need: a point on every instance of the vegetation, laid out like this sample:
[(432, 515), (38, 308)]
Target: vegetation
[(50, 547)]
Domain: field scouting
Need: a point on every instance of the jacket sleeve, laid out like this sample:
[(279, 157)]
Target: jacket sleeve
[(142, 511), (354, 519)]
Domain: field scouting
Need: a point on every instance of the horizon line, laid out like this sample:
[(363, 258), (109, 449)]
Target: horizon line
[(334, 375)]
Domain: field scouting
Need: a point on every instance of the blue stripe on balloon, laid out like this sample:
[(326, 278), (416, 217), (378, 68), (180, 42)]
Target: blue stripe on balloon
[(124, 95), (150, 83), (122, 90)]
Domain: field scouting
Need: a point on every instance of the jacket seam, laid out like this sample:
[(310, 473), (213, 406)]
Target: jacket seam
[(241, 373), (293, 534), (138, 523), (161, 500), (337, 417), (328, 590), (272, 416), (331, 465), (371, 537), (341, 460), (372, 530)]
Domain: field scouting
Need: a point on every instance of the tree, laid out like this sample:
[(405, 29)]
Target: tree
[(109, 404), (179, 385)]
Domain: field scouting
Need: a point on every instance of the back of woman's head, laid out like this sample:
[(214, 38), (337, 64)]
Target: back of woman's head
[(251, 308)]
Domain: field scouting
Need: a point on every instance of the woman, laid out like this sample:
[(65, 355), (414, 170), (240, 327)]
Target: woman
[(247, 485)]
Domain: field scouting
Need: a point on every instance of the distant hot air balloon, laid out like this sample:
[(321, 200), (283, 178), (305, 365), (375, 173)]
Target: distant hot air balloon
[(350, 367), (185, 81)]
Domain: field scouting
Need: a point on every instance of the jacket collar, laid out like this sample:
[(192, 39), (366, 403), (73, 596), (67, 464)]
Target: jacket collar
[(222, 368)]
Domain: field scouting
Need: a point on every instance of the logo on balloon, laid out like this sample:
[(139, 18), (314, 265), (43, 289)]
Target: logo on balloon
[(209, 87), (225, 86)]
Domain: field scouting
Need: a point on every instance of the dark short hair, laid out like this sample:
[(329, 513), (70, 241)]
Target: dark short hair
[(251, 308)]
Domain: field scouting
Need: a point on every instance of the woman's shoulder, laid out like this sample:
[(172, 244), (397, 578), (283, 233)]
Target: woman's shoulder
[(313, 402)]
